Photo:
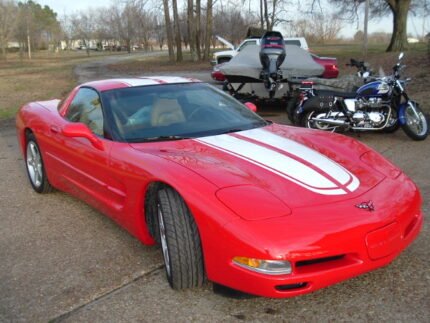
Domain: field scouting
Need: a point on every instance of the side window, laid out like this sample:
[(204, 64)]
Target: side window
[(86, 108), (293, 42), (252, 42)]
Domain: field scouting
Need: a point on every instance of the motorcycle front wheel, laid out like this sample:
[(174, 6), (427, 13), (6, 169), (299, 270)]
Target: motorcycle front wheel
[(416, 123)]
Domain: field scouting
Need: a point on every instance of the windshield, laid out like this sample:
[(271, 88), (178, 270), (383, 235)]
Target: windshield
[(175, 111)]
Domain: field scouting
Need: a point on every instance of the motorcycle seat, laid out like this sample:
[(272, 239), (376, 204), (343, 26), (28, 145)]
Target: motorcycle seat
[(345, 95)]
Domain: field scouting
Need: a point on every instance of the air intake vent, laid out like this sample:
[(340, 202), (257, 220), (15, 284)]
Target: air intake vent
[(289, 287), (318, 260)]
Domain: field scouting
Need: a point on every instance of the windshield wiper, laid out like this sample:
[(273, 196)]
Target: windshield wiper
[(231, 130)]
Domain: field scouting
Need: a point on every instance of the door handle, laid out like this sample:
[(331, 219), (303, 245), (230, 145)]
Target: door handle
[(54, 129)]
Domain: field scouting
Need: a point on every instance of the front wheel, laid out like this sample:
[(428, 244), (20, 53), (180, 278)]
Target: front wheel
[(180, 241), (35, 166), (416, 123)]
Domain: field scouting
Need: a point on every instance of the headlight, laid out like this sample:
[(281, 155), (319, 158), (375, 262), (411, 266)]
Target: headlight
[(268, 267)]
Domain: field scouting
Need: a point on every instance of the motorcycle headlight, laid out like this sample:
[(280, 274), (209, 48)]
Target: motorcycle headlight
[(268, 267)]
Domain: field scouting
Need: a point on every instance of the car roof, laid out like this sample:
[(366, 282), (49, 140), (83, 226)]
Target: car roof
[(111, 84)]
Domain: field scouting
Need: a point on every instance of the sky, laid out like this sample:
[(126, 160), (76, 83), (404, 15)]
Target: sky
[(384, 24)]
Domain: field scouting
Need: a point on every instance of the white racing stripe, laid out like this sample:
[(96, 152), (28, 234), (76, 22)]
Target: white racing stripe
[(316, 178), (137, 81), (328, 166)]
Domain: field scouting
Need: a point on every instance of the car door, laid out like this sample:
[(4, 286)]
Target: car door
[(86, 167)]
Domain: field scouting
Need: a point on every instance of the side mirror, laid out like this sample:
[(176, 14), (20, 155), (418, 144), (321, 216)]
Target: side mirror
[(251, 106), (79, 129), (401, 55)]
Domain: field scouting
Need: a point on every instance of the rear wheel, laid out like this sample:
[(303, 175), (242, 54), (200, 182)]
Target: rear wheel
[(35, 167), (180, 241), (308, 120), (416, 123)]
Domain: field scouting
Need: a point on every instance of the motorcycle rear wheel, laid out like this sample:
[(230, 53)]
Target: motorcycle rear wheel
[(416, 124), (307, 122)]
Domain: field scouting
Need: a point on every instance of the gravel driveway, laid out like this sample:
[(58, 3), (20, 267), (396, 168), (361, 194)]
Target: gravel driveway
[(61, 260)]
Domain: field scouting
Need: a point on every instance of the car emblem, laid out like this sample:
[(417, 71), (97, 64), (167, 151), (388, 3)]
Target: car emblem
[(366, 206)]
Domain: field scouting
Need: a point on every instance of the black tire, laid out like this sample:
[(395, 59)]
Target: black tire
[(304, 121), (35, 167), (415, 128), (394, 123), (392, 128), (182, 252), (291, 107)]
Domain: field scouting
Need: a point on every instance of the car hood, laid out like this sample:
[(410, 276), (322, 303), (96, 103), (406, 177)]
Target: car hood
[(300, 167), (225, 42)]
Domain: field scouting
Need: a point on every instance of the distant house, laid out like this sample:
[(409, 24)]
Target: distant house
[(13, 45), (412, 40)]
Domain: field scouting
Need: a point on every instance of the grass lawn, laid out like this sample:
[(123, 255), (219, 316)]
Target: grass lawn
[(48, 75), (159, 63)]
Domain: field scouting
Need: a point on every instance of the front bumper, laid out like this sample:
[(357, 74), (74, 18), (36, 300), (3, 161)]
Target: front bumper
[(322, 253)]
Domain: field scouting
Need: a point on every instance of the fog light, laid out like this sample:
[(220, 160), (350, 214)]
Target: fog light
[(268, 267)]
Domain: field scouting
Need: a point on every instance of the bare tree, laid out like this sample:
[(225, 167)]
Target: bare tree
[(168, 30), (191, 29), (198, 28), (208, 29), (398, 8), (8, 15), (399, 38), (271, 13), (320, 28), (177, 32), (83, 28), (160, 31), (232, 23)]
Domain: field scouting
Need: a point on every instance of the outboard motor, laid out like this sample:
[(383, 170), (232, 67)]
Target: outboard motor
[(272, 55)]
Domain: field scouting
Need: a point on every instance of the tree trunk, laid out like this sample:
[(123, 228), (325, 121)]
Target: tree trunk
[(191, 29), (177, 32), (261, 15), (87, 48), (168, 30), (399, 39), (266, 14), (3, 50), (197, 30), (208, 30)]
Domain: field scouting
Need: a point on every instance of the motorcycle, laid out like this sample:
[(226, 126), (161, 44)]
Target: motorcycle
[(312, 86), (381, 104)]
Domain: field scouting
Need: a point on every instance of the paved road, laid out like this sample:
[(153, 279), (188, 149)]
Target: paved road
[(61, 260)]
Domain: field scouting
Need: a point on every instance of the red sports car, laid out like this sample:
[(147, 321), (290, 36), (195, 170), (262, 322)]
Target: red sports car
[(263, 208)]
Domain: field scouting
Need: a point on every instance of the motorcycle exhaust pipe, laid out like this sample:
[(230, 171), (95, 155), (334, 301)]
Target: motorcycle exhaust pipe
[(339, 123)]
